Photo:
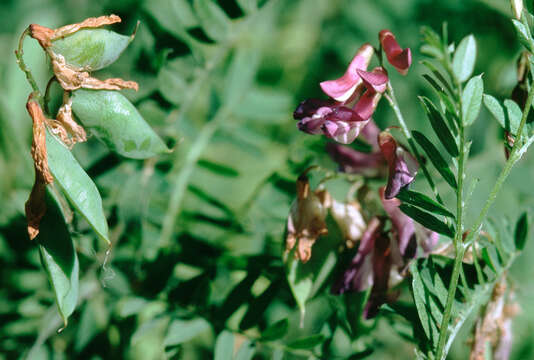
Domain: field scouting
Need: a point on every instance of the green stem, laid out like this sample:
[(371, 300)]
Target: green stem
[(22, 65), (458, 246), (515, 155), (390, 96)]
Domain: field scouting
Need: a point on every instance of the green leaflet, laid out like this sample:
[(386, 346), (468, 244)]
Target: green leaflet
[(213, 19), (59, 258), (76, 185), (523, 33), (435, 157), (495, 108), (424, 202), (224, 346), (91, 49), (440, 127), (307, 342), (115, 121), (514, 116), (521, 231), (276, 330), (463, 61), (472, 100), (427, 220)]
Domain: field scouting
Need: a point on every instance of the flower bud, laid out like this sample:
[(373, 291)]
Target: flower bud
[(399, 58)]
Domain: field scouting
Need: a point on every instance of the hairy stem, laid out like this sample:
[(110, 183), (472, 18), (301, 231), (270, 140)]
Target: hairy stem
[(390, 96)]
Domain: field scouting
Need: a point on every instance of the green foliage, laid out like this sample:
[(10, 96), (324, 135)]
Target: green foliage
[(195, 269)]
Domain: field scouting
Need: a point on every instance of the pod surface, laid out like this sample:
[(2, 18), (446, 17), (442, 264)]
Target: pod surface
[(115, 120), (91, 49)]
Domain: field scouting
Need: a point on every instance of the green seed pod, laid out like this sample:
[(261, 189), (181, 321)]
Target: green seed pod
[(91, 49), (116, 121)]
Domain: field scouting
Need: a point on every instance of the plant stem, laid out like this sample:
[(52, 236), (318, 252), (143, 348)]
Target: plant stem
[(390, 96), (458, 245), (515, 156), (22, 65)]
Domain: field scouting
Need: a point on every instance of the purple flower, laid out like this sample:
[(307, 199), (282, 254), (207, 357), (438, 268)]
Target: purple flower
[(382, 254), (402, 167), (330, 118)]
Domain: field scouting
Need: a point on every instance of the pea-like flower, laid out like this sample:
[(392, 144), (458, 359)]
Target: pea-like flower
[(384, 253), (399, 58)]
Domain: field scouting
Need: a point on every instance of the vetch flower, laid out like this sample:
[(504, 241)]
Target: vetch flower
[(399, 58), (384, 254), (345, 87), (330, 118), (349, 219), (402, 166)]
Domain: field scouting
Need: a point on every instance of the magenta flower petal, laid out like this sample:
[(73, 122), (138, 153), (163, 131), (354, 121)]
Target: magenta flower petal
[(382, 262), (376, 79), (402, 166), (355, 162), (359, 274), (366, 105), (399, 58), (343, 88), (309, 107), (403, 226)]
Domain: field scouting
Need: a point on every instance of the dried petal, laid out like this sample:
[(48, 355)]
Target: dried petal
[(66, 119), (71, 78), (343, 88), (38, 150), (35, 207), (306, 220), (399, 58), (92, 22), (45, 35)]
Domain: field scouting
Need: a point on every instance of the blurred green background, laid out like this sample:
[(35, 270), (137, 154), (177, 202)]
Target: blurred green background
[(187, 227)]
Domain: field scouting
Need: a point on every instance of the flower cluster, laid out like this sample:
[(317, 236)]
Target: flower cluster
[(384, 250), (354, 96)]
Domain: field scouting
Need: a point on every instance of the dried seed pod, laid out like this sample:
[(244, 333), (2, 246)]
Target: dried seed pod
[(116, 121)]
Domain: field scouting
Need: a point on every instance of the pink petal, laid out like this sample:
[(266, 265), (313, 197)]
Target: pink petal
[(342, 89), (376, 79), (403, 225)]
